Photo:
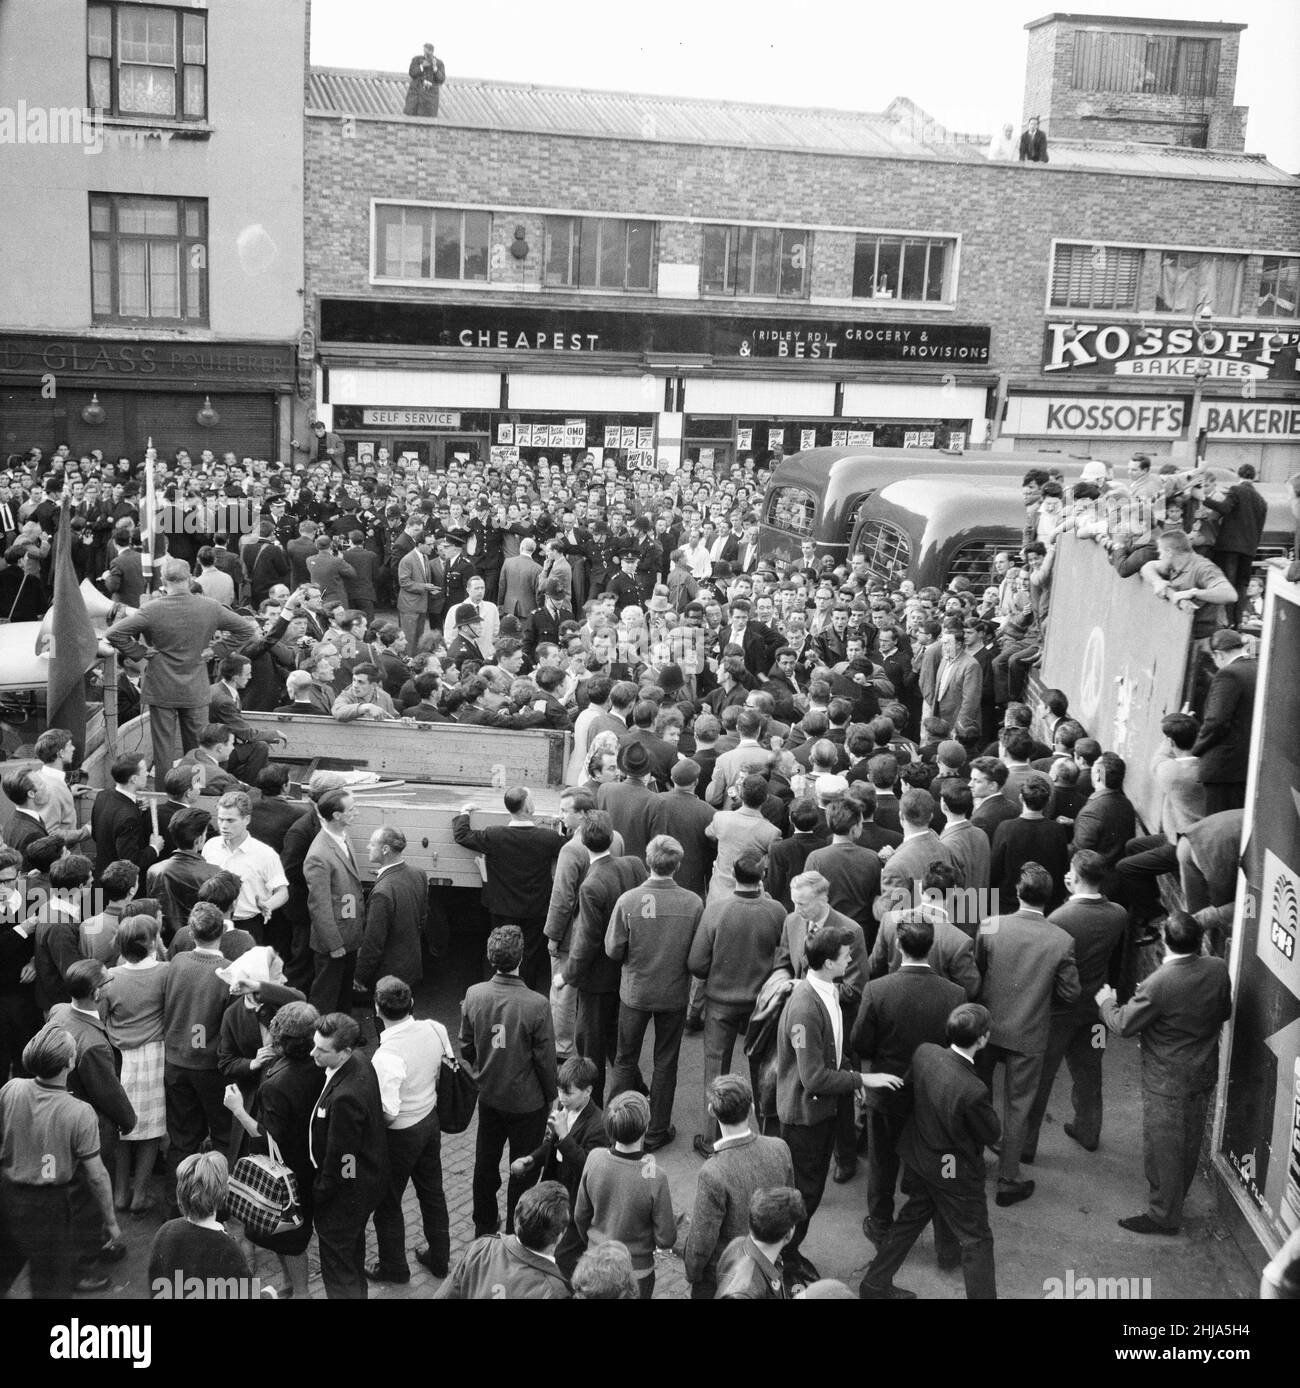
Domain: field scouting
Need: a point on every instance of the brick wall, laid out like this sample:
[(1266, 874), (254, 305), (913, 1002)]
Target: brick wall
[(1006, 215)]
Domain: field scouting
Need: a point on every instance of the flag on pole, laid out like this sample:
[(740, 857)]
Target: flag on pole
[(73, 645), (149, 521)]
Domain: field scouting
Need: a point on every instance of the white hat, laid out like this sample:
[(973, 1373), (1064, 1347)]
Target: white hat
[(1094, 471), (251, 968)]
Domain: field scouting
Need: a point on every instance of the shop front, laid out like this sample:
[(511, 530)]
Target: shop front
[(1227, 395), (439, 381), (115, 394)]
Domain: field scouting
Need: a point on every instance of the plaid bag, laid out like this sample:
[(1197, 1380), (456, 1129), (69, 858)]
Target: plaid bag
[(263, 1194)]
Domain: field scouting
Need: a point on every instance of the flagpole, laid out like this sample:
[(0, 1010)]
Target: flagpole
[(151, 515)]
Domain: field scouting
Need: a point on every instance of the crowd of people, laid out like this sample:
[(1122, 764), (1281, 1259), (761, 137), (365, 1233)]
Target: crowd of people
[(807, 815)]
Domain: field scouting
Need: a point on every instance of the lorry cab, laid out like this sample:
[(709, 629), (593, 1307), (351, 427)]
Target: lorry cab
[(818, 495)]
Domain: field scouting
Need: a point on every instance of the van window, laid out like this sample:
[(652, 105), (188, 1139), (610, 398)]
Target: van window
[(975, 562), (792, 509), (886, 549)]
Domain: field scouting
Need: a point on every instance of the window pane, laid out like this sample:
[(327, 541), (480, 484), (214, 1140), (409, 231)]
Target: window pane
[(194, 219), (132, 280), (913, 280), (101, 216), (478, 232), (767, 252), (588, 251), (101, 84), (149, 91), (446, 251), (194, 39), (640, 236), (794, 260), (887, 268), (559, 248), (99, 31), (934, 278), (613, 254), (864, 266), (147, 216), (195, 305), (164, 280), (146, 36), (101, 277), (714, 274), (1279, 288), (195, 94)]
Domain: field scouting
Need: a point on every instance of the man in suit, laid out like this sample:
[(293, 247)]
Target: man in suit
[(1243, 513), (299, 551), (628, 801), (682, 815), (176, 880), (349, 1149), (266, 563), (908, 863), (216, 744), (29, 794), (1096, 926), (520, 579), (742, 1163), (663, 753), (952, 955), (392, 945), (814, 1074), (329, 573), (574, 1129), (969, 845), (364, 564), (898, 1013), (1031, 838), (787, 858), (417, 589), (1027, 963), (251, 748), (172, 632), (747, 551), (589, 969), (942, 1152), (1223, 744), (506, 1035), (335, 902), (520, 858), (988, 776), (1108, 821), (1033, 143), (852, 871), (1178, 1013), (272, 813), (117, 824), (958, 687)]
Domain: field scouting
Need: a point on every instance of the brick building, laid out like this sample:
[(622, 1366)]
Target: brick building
[(547, 270), (151, 228)]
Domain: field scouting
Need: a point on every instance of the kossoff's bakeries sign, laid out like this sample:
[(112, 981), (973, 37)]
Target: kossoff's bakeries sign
[(589, 332), (1047, 416), (1165, 350)]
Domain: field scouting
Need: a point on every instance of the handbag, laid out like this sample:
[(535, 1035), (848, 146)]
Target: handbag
[(457, 1088), (263, 1193)]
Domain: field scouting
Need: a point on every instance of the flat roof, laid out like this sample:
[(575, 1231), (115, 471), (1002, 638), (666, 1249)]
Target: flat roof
[(902, 132), (1101, 21)]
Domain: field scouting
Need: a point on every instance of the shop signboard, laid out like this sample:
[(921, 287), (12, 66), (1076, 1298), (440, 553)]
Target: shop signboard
[(1177, 351)]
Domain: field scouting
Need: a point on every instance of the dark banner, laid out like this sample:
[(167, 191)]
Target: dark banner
[(1259, 1133), (547, 331), (194, 364), (1170, 351)]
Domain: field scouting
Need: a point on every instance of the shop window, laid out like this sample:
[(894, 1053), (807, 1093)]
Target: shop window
[(1095, 277), (1279, 287), (769, 262), (975, 562), (438, 243), (909, 268), (1191, 280), (143, 60), (792, 509), (148, 259), (598, 253)]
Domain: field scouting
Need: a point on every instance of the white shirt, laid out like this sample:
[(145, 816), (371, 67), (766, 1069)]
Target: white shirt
[(490, 618), (256, 864), (830, 1000), (329, 1079)]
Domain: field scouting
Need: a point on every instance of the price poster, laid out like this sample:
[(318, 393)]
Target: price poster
[(839, 438), (645, 438), (504, 455), (505, 433), (926, 438), (627, 436), (612, 436), (912, 439), (365, 452), (575, 433), (957, 439), (776, 438), (807, 439), (862, 438), (744, 439), (556, 432)]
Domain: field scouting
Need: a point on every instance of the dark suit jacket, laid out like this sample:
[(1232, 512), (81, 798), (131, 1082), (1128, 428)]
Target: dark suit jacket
[(365, 567), (899, 1012), (952, 1115), (629, 804), (118, 831), (563, 1161), (684, 816), (589, 968), (267, 566), (507, 1036), (175, 882), (395, 918), (1033, 148), (809, 1080), (1244, 512), (334, 896), (349, 1144), (520, 861), (272, 818), (1019, 841), (786, 859), (993, 812), (330, 574), (1223, 745), (854, 875), (22, 829), (97, 1075), (1105, 824), (1028, 964)]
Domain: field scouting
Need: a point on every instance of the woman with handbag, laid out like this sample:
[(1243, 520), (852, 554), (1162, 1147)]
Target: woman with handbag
[(279, 1125)]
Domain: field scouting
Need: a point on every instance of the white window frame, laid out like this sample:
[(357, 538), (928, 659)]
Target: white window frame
[(433, 208), (947, 299)]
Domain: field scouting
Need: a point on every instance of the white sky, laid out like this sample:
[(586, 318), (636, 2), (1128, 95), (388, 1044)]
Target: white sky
[(961, 60)]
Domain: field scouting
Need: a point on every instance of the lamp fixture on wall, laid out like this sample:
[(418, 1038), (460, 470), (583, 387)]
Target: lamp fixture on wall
[(93, 413), (519, 247), (207, 416)]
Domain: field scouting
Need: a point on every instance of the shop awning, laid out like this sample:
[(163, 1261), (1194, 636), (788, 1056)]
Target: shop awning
[(642, 394), (767, 398), (881, 400), (458, 390)]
